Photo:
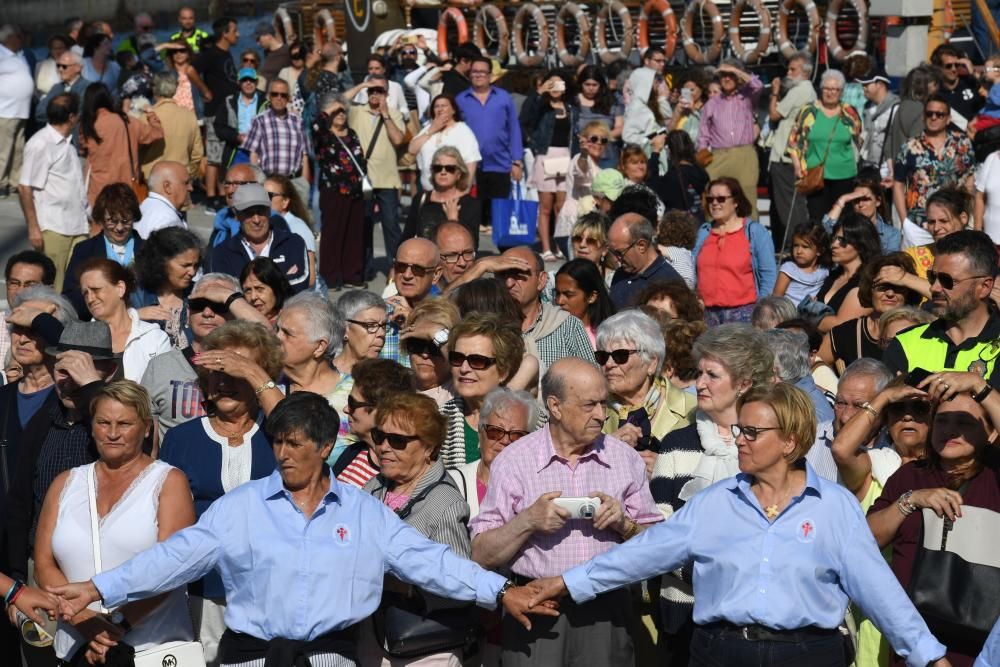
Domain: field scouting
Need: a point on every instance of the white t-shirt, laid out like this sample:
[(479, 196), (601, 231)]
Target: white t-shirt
[(16, 83), (157, 213), (988, 182), (459, 135)]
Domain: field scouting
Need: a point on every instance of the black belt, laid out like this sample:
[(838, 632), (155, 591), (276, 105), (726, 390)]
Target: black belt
[(762, 633)]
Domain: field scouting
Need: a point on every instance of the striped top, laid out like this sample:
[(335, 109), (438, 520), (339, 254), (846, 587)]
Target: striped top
[(359, 471), (727, 121)]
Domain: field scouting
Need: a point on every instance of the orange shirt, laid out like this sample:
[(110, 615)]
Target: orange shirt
[(725, 270)]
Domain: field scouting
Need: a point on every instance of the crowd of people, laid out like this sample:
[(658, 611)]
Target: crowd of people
[(665, 434)]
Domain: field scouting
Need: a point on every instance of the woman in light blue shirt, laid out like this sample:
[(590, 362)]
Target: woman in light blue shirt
[(302, 557), (99, 65), (777, 553)]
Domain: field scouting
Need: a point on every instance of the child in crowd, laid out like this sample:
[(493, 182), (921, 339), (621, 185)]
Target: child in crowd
[(803, 275)]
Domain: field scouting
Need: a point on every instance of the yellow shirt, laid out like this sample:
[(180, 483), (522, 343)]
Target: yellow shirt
[(382, 165)]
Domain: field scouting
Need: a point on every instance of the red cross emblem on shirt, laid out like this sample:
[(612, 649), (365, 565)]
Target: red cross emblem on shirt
[(807, 528), (342, 533)]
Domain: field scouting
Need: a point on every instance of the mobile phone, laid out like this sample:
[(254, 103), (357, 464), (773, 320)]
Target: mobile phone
[(558, 86), (916, 376), (686, 95)]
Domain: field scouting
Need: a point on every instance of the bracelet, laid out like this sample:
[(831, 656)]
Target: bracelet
[(631, 531), (906, 508), (867, 407), (981, 395), (264, 387), (232, 297), (17, 594), (12, 592)]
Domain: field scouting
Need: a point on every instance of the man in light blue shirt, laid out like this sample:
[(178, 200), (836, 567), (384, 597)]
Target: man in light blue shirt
[(990, 657), (302, 556), (795, 573)]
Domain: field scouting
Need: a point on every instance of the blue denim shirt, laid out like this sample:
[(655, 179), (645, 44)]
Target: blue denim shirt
[(765, 268)]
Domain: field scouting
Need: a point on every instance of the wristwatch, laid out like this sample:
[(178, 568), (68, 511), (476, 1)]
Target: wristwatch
[(232, 297), (441, 337), (507, 585), (118, 618), (264, 387)]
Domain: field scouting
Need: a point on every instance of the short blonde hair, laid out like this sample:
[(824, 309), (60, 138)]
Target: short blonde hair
[(253, 336), (463, 170), (130, 394), (436, 309), (508, 346), (418, 410), (596, 126), (793, 410)]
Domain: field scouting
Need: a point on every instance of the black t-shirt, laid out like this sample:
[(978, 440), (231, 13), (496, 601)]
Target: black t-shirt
[(431, 214), (452, 83), (275, 61), (668, 187), (964, 98), (218, 71), (844, 338), (837, 299)]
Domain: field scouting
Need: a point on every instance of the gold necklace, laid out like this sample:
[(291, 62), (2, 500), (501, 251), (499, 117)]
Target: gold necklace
[(236, 434)]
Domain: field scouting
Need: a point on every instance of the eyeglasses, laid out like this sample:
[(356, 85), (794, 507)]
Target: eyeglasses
[(421, 347), (250, 60), (841, 404), (111, 224), (579, 239), (453, 257), (354, 404), (831, 90), (597, 140), (840, 240), (935, 114), (620, 356), (947, 281), (236, 184), (199, 304), (418, 271), (396, 440), (621, 253), (717, 199), (377, 90), (61, 66), (17, 284), (497, 434), (449, 168), (750, 433), (283, 96), (408, 52), (477, 362), (479, 72), (658, 61), (371, 327)]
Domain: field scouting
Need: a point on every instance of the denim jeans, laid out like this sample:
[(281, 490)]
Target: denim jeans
[(713, 648), (388, 214)]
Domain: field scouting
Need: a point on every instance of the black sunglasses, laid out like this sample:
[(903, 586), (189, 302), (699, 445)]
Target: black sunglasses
[(297, 55), (914, 407), (947, 281), (199, 304), (750, 433), (620, 356), (597, 140), (421, 347), (935, 114), (496, 433), (283, 96), (61, 66), (396, 440), (717, 199), (418, 271), (450, 168), (588, 240), (377, 90), (477, 362), (408, 52), (355, 404), (236, 184), (337, 112)]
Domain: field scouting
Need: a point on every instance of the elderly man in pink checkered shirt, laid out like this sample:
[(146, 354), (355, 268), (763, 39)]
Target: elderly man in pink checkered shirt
[(520, 527)]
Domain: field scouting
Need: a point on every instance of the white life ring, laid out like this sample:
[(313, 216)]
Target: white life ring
[(838, 52), (520, 35), (691, 48), (572, 12), (606, 54), (785, 44), (283, 23), (747, 55), (479, 31), (326, 28)]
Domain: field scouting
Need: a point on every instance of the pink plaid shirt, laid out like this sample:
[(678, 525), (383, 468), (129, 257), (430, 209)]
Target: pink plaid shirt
[(526, 469), (727, 121)]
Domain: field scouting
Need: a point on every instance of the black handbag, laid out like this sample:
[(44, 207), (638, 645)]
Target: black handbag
[(407, 629), (956, 576)]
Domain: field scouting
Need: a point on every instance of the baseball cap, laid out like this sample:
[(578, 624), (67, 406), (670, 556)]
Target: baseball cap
[(877, 74), (249, 195), (248, 73), (608, 183)]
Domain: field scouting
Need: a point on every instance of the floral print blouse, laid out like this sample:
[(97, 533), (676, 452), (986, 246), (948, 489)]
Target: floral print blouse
[(336, 168), (923, 171)]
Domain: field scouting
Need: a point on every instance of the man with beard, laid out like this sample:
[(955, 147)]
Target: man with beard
[(968, 324)]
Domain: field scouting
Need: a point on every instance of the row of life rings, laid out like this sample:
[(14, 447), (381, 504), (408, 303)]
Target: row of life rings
[(325, 29), (490, 27)]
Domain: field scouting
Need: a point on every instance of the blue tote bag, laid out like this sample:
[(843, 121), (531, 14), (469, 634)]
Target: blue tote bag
[(515, 219)]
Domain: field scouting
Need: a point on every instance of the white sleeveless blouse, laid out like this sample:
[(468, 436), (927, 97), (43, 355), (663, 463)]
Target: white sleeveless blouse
[(129, 528)]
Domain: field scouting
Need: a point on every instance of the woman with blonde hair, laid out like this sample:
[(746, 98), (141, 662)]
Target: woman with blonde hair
[(448, 200), (421, 338), (594, 138)]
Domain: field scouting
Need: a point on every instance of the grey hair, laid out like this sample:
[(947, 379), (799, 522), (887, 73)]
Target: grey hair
[(74, 56), (641, 230), (258, 173), (791, 354), (806, 59), (330, 98), (771, 311), (277, 79), (65, 312), (735, 63), (835, 75), (910, 314), (323, 321), (229, 280), (353, 302), (164, 84), (640, 330), (873, 368), (503, 397), (7, 31), (741, 349)]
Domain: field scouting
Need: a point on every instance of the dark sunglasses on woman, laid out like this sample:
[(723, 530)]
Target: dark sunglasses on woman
[(450, 168), (619, 356), (421, 347), (396, 440), (477, 362)]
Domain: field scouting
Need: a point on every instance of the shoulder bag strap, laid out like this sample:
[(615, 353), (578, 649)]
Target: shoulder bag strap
[(371, 146), (95, 534), (829, 139), (407, 509), (350, 153), (885, 132), (128, 142), (861, 323)]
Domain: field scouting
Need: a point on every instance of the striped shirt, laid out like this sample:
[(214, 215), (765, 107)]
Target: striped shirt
[(359, 471), (530, 467), (727, 120), (278, 142)]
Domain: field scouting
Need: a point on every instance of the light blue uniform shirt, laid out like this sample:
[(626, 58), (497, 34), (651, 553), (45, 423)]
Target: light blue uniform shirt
[(795, 572), (291, 577), (990, 657)]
